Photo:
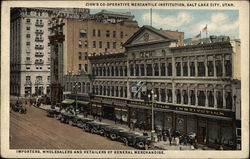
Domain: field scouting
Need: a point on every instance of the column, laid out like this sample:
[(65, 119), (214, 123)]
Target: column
[(139, 68), (159, 92), (153, 68), (159, 67), (181, 67), (145, 70), (188, 66), (166, 90), (134, 65), (206, 69), (223, 66), (214, 66), (196, 97), (173, 67), (173, 93), (224, 97), (206, 101), (215, 99), (166, 66), (188, 93)]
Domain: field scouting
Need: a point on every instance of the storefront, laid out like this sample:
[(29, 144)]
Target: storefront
[(83, 106)]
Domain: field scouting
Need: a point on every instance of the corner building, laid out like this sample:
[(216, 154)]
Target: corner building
[(197, 87)]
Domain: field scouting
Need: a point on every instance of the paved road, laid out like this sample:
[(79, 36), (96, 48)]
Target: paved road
[(35, 130)]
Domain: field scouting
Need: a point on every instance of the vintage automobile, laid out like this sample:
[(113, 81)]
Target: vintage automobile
[(114, 132), (143, 142), (93, 127), (67, 118), (53, 113), (18, 108), (80, 121), (128, 138)]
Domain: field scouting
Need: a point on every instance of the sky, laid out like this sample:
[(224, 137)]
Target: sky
[(191, 22)]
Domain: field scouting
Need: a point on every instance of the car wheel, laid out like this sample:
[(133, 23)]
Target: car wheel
[(125, 140), (113, 136), (102, 132), (86, 128), (58, 117), (92, 131), (140, 145)]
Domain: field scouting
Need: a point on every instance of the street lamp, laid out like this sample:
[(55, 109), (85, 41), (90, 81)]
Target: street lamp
[(76, 87), (152, 112)]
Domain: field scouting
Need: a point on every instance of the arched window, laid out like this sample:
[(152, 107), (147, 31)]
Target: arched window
[(116, 91), (108, 91), (112, 71), (192, 69), (137, 69), (100, 71), (185, 69), (104, 71), (228, 67), (88, 87), (121, 91), (210, 99), (219, 99), (149, 70), (163, 95), (157, 94), (218, 68), (169, 69), (229, 100), (178, 96), (108, 71), (93, 71), (210, 68), (112, 91), (156, 69), (178, 69), (185, 97), (125, 71), (192, 97), (125, 92), (132, 70), (142, 69), (201, 69), (201, 98), (163, 69), (170, 96), (104, 90), (116, 71), (83, 87), (94, 89), (100, 89), (121, 71)]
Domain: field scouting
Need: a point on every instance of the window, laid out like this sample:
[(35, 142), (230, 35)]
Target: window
[(27, 67), (210, 68), (121, 71), (116, 71), (163, 95), (142, 69), (100, 44), (121, 34), (104, 71), (228, 68), (86, 67), (219, 99), (121, 91), (169, 69), (218, 68), (108, 45), (28, 12), (114, 45), (79, 67), (27, 28), (108, 90), (178, 96), (48, 78), (99, 33), (94, 32), (192, 69), (39, 78), (201, 69), (201, 98), (28, 43), (112, 71), (79, 43), (210, 99), (41, 13), (28, 20), (125, 72), (79, 55), (27, 58), (185, 97), (125, 92), (229, 100), (169, 96), (156, 69), (178, 69), (27, 78), (192, 97), (114, 34), (82, 34), (107, 33), (116, 91), (132, 70), (149, 70), (94, 44), (185, 69), (163, 69)]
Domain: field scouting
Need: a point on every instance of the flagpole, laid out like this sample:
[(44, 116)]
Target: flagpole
[(200, 37), (206, 31), (150, 16)]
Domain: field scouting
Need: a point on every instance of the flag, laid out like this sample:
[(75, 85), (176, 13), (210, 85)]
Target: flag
[(204, 29), (197, 37)]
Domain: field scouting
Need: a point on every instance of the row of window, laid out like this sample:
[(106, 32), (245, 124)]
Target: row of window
[(165, 69), (100, 45), (108, 33), (37, 67), (82, 87), (166, 95), (38, 78)]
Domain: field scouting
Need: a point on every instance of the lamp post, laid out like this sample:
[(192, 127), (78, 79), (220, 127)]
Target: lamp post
[(76, 87), (152, 112)]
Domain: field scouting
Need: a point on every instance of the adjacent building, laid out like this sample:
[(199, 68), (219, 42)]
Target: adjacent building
[(30, 54)]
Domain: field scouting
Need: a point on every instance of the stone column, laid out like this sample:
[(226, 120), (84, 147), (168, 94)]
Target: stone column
[(153, 68), (215, 99), (196, 66), (188, 64), (214, 66), (206, 100), (224, 98), (139, 69), (223, 66), (206, 69), (173, 93), (196, 97), (181, 66), (159, 92), (173, 67), (159, 67)]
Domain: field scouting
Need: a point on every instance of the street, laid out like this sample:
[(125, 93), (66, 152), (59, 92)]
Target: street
[(35, 130)]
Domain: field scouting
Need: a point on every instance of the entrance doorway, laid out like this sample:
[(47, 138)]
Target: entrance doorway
[(108, 112)]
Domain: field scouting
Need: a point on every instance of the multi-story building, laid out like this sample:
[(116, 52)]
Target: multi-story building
[(196, 87), (30, 48)]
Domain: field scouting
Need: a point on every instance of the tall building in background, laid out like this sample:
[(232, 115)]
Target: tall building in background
[(30, 48)]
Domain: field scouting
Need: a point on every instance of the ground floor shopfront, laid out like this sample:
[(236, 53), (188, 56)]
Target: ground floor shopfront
[(212, 130)]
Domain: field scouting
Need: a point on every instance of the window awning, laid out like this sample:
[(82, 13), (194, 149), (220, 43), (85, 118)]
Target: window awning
[(68, 101), (83, 102), (82, 31)]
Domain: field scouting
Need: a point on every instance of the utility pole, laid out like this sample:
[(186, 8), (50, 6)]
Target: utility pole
[(152, 112)]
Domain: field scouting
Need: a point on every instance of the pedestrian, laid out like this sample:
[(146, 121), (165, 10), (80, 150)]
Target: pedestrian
[(170, 140), (115, 120), (100, 118)]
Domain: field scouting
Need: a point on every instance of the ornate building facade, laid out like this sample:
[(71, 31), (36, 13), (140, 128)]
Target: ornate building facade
[(197, 87)]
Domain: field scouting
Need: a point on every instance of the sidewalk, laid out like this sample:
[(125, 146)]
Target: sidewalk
[(162, 145)]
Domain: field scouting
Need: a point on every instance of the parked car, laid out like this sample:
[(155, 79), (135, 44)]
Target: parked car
[(114, 133), (93, 127), (67, 118), (80, 121), (53, 113), (128, 138), (142, 142)]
